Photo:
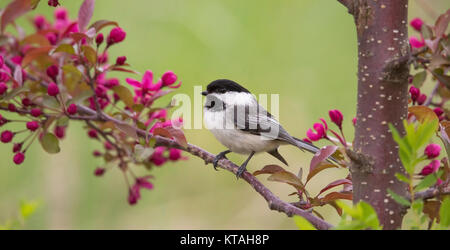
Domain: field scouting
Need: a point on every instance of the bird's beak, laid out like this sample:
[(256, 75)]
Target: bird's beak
[(205, 93)]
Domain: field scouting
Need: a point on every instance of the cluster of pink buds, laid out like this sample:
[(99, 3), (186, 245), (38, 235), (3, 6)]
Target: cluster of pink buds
[(416, 96), (417, 25), (321, 129), (431, 152)]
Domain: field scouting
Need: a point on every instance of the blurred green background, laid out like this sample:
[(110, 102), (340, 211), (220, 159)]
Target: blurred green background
[(303, 50)]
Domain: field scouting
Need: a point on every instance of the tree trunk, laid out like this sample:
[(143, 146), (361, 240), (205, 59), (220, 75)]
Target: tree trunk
[(383, 69)]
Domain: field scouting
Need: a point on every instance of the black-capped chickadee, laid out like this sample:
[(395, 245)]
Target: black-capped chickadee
[(237, 120)]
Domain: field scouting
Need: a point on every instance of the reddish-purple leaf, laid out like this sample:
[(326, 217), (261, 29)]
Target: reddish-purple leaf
[(289, 178), (98, 25), (441, 24), (35, 53), (162, 132), (269, 169), (318, 169), (14, 10), (335, 184), (337, 196), (85, 14), (322, 155), (178, 135)]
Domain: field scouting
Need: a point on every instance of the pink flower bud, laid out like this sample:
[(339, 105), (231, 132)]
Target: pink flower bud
[(336, 117), (133, 195), (415, 93), (3, 120), (19, 158), (52, 89), (416, 43), (116, 35), (438, 111), (422, 98), (36, 112), (3, 88), (60, 131), (416, 23), (52, 72), (4, 77), (157, 157), (99, 39), (17, 147), (99, 171), (33, 125), (1, 61), (92, 133), (432, 151), (61, 13), (52, 38), (354, 121), (26, 102), (40, 22), (97, 153), (72, 109), (53, 3), (6, 136), (169, 78), (121, 60), (12, 107), (108, 146), (430, 168), (174, 154)]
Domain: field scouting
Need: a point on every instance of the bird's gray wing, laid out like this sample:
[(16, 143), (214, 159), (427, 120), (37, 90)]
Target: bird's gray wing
[(258, 121)]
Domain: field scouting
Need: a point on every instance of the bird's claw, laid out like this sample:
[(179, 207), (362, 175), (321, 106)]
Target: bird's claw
[(240, 171), (216, 160)]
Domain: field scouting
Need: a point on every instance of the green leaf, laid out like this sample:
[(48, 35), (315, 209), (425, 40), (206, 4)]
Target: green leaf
[(428, 181), (419, 79), (124, 95), (370, 217), (66, 48), (303, 224), (399, 199), (50, 143), (444, 212), (90, 54), (100, 24), (402, 177)]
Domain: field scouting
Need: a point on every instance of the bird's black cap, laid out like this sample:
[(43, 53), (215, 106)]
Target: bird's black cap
[(223, 85)]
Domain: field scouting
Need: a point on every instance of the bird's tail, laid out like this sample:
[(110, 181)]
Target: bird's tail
[(311, 148)]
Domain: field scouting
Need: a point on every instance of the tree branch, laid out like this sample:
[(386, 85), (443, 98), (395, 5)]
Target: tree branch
[(349, 4), (273, 201)]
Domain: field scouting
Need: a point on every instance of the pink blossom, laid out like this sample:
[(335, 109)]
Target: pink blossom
[(321, 131), (416, 23), (157, 157), (159, 114), (40, 22), (174, 154), (61, 13), (432, 151), (416, 43), (92, 133), (145, 88), (438, 111), (133, 195), (17, 147)]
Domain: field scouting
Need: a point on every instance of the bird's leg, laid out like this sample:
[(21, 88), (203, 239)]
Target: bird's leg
[(242, 168), (219, 157)]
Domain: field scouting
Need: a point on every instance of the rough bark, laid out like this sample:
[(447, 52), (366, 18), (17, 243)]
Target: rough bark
[(382, 99)]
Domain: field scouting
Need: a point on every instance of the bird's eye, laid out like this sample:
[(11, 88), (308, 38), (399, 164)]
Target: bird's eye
[(212, 104)]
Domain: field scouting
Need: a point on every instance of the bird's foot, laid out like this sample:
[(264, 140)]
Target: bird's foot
[(241, 170), (219, 157)]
